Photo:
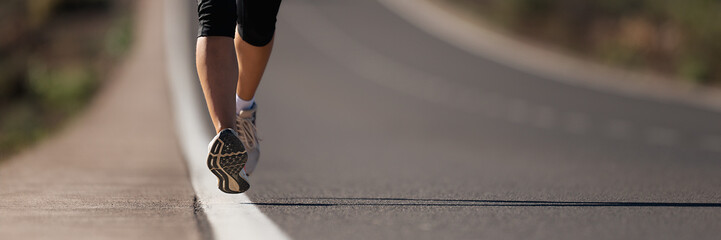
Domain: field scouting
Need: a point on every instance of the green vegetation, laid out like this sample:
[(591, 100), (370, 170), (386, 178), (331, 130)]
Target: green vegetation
[(55, 55), (680, 38)]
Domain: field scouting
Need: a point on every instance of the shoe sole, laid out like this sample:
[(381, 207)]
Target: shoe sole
[(226, 160)]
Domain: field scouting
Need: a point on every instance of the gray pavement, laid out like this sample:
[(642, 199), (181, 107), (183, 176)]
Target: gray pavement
[(116, 172), (373, 129)]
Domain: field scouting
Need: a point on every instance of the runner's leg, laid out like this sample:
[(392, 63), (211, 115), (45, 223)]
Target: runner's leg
[(218, 71), (216, 61), (252, 61), (254, 42)]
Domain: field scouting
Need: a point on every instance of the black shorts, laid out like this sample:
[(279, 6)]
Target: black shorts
[(255, 19)]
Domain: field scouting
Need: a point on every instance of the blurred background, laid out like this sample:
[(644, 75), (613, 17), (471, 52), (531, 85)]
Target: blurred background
[(372, 128), (677, 38), (55, 54)]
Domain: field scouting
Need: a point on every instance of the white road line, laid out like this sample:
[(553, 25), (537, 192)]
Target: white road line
[(229, 216), (468, 36), (482, 41), (384, 71)]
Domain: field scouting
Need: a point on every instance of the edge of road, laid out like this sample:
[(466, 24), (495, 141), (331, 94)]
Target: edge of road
[(219, 215), (477, 38)]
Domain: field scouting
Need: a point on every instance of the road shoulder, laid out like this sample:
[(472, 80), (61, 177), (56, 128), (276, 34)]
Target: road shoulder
[(116, 171), (475, 37)]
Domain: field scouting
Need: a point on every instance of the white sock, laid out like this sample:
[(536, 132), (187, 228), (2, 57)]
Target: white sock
[(241, 104)]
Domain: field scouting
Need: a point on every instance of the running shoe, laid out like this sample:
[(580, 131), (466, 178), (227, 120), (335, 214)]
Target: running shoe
[(226, 159), (245, 127)]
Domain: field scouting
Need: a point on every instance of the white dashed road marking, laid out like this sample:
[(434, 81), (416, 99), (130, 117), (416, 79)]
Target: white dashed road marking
[(387, 72)]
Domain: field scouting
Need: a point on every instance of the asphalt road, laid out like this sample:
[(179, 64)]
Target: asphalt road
[(116, 171), (373, 129)]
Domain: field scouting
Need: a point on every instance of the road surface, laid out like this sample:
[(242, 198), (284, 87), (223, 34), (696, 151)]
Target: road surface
[(373, 129), (115, 172)]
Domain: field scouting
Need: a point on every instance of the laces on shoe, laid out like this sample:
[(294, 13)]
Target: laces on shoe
[(247, 132)]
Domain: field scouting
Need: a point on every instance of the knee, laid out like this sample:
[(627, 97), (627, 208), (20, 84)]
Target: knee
[(216, 18), (257, 21), (258, 36)]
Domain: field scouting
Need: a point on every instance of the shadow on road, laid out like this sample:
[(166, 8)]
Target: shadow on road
[(330, 202)]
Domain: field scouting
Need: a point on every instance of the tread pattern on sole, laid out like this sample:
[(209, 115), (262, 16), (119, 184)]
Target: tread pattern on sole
[(226, 159)]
